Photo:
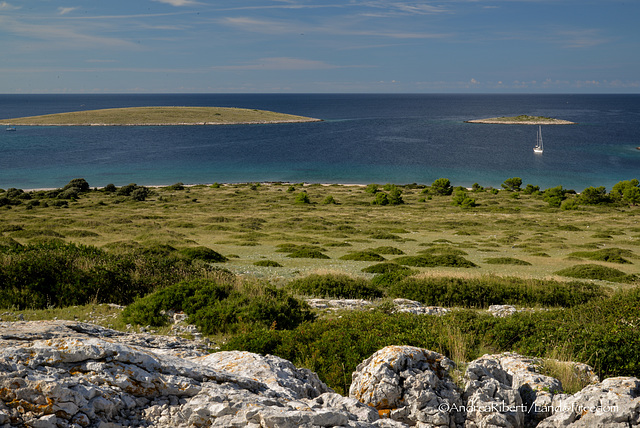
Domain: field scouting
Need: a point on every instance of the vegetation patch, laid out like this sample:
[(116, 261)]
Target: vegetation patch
[(506, 261), (220, 307), (494, 290), (611, 255), (363, 256), (430, 260), (336, 286), (594, 271), (267, 263), (387, 250)]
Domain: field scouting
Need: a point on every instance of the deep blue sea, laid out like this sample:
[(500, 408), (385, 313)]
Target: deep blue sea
[(363, 138)]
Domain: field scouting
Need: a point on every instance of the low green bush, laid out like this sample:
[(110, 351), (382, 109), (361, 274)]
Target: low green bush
[(203, 253), (430, 260), (594, 271), (220, 308), (388, 250), (305, 253), (267, 263), (611, 255), (506, 261), (336, 286), (494, 290), (363, 256)]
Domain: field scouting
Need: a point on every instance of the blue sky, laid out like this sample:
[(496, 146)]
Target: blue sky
[(510, 46)]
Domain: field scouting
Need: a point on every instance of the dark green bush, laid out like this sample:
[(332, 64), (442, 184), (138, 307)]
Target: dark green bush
[(506, 261), (203, 253), (302, 198), (492, 290), (363, 256), (221, 308), (388, 250), (593, 271), (430, 260), (336, 286), (305, 253), (441, 187), (512, 184), (267, 263), (611, 255)]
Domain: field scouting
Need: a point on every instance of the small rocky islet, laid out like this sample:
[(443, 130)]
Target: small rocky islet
[(522, 120), (74, 374)]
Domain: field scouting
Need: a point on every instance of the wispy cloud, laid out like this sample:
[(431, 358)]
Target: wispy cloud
[(64, 36), (282, 63), (273, 27), (178, 3), (6, 6), (65, 10), (581, 38)]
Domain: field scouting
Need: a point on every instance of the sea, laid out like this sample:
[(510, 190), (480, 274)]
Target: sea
[(362, 138)]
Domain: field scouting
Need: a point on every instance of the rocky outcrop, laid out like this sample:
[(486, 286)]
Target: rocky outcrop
[(58, 374), (409, 385)]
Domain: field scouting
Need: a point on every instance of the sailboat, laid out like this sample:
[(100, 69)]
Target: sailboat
[(539, 147)]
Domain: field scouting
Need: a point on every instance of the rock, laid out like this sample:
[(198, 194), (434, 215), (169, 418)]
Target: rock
[(491, 400), (413, 307), (62, 373), (613, 403), (409, 385), (502, 311)]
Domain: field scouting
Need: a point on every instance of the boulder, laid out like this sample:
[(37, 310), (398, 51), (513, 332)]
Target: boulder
[(409, 385)]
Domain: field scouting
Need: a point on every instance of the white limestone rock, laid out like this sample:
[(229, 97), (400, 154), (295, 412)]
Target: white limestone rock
[(612, 403), (410, 385)]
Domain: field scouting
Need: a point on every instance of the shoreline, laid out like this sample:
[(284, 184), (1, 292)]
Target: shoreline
[(266, 122), (497, 121)]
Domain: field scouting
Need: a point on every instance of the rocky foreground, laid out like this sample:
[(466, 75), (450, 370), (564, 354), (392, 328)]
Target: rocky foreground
[(71, 374)]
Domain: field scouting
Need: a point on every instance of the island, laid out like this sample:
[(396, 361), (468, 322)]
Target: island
[(522, 120), (157, 116)]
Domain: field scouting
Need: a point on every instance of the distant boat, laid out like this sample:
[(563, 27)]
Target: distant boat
[(10, 128), (539, 147)]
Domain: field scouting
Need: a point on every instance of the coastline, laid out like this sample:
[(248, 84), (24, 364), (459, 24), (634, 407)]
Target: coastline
[(506, 121)]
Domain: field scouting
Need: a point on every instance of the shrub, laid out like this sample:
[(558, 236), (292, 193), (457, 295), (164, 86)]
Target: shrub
[(140, 194), (372, 188), (441, 187), (110, 188), (512, 184), (329, 200), (462, 199), (612, 255), (381, 199), (593, 271), (429, 260), (493, 290), (176, 186), (302, 198), (221, 308), (506, 261), (554, 196), (594, 196), (80, 184), (363, 256), (531, 189), (305, 253), (203, 253), (336, 286), (388, 250), (395, 195), (267, 263)]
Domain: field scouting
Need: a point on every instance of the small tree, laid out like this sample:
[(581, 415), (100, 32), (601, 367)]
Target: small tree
[(395, 195), (462, 199), (594, 195), (303, 198), (512, 184), (554, 196), (381, 199), (442, 187)]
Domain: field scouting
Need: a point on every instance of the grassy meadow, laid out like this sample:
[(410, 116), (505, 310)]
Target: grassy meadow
[(239, 258)]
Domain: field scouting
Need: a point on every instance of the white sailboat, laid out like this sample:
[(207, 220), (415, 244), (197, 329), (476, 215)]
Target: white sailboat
[(539, 147)]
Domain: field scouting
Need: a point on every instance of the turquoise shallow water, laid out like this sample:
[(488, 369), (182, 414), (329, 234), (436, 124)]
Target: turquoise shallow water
[(363, 139)]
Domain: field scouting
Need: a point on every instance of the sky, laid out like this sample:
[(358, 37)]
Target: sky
[(319, 46)]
